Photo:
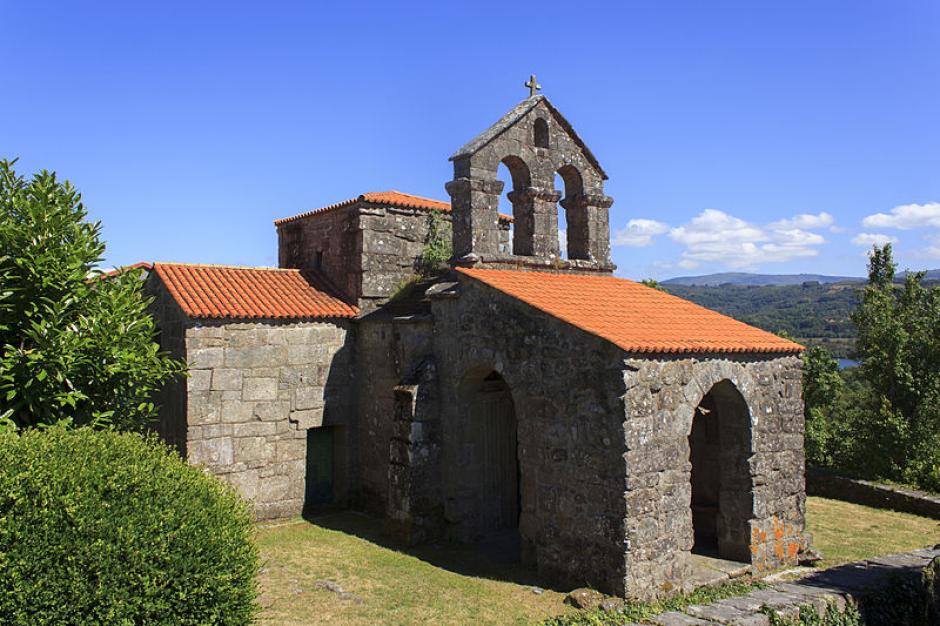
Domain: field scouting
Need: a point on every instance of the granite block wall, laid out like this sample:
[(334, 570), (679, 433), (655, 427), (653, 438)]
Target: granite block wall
[(763, 501), (369, 250), (254, 388)]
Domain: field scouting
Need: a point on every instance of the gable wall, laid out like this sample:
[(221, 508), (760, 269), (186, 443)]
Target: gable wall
[(567, 389), (475, 194)]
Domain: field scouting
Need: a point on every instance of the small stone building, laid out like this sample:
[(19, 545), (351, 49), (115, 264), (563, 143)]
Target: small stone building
[(610, 429)]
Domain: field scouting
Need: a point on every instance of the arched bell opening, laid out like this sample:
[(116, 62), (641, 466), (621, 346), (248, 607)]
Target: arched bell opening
[(574, 216), (523, 219)]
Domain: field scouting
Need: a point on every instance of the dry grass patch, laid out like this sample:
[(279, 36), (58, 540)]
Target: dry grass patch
[(849, 532), (443, 584), (449, 584)]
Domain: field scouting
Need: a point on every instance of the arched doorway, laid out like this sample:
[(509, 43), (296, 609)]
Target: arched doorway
[(493, 461), (722, 491)]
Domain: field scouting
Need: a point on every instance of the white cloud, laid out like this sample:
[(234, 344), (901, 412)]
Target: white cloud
[(716, 237), (804, 221), (873, 239), (933, 251), (563, 242), (906, 216), (639, 233)]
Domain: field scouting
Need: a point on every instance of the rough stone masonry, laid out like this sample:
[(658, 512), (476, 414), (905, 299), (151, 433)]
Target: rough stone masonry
[(606, 430)]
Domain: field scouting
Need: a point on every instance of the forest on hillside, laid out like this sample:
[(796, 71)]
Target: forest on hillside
[(813, 313)]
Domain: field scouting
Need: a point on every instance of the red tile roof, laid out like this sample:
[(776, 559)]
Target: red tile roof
[(630, 315), (224, 292), (389, 198)]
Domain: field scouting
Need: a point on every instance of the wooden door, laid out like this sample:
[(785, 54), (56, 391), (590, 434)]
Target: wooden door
[(500, 468), (319, 487)]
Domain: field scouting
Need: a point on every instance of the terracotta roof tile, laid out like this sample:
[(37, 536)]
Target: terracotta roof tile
[(391, 198), (225, 292), (630, 315)]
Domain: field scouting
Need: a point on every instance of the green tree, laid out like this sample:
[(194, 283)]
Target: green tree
[(74, 345), (899, 345), (823, 387)]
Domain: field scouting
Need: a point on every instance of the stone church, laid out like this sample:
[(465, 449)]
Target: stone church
[(613, 429)]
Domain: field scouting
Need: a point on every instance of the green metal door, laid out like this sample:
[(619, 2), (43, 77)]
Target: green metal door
[(319, 466)]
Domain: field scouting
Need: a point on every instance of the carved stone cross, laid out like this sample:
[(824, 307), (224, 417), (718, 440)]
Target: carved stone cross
[(533, 86)]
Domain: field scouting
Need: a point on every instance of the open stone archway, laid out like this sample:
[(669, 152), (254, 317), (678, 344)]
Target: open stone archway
[(722, 500)]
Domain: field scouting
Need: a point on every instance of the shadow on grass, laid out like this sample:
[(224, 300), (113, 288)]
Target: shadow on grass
[(495, 558)]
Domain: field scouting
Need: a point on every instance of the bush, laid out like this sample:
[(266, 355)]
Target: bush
[(101, 527)]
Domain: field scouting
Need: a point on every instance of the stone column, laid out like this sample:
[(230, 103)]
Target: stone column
[(544, 221), (523, 222), (597, 211), (474, 204)]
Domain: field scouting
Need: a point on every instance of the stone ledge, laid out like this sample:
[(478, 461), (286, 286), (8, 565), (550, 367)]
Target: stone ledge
[(843, 585), (829, 485)]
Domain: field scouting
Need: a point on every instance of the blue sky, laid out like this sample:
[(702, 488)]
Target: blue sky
[(769, 136)]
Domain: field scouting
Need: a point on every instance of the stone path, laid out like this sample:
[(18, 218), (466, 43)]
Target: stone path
[(839, 585)]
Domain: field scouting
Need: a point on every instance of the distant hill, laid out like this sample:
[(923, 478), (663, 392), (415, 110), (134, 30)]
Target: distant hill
[(813, 312), (813, 308), (745, 278)]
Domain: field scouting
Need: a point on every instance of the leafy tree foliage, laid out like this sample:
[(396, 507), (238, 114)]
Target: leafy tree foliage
[(899, 344), (823, 386), (881, 419), (102, 527), (74, 345)]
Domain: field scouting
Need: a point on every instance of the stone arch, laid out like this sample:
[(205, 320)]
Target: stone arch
[(720, 435), (540, 134), (579, 235), (523, 217), (489, 451)]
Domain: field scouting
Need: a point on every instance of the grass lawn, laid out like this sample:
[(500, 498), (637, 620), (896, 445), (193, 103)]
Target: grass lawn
[(448, 584), (846, 532)]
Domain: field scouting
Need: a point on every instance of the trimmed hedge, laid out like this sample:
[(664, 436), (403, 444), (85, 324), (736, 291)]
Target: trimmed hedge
[(101, 527)]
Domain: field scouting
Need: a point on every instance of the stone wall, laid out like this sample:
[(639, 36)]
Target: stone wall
[(367, 249), (254, 388), (820, 482), (567, 388), (387, 351), (330, 240), (661, 399)]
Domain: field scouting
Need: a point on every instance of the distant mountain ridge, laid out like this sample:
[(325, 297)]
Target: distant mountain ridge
[(745, 278), (762, 280)]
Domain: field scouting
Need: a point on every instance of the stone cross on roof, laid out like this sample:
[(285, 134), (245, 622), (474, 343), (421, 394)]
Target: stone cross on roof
[(533, 86)]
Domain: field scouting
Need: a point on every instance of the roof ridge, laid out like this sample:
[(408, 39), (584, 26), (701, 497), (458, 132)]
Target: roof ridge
[(410, 195), (228, 267)]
